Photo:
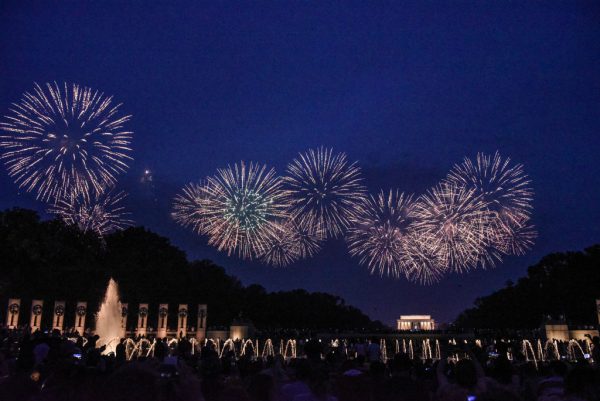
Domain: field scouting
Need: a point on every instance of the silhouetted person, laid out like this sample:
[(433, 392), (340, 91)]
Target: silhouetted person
[(313, 349), (160, 349), (120, 352)]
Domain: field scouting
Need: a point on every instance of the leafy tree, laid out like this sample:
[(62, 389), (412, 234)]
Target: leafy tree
[(561, 284), (52, 261)]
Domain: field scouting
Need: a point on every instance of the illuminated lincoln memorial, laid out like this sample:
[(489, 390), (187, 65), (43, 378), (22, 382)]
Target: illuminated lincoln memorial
[(416, 322)]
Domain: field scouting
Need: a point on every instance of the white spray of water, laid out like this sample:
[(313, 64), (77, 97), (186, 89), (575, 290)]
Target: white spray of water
[(108, 321)]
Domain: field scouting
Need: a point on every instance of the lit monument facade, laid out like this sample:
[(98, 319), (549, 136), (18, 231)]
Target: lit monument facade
[(182, 315), (201, 322), (12, 313), (416, 323), (163, 315), (142, 325), (124, 312), (183, 321), (80, 313), (35, 321), (58, 319)]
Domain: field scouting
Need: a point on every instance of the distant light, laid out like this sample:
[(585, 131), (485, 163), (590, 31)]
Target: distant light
[(146, 176)]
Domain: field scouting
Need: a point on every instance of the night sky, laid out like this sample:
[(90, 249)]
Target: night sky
[(407, 90)]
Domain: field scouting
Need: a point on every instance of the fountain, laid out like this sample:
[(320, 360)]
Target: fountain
[(108, 320), (554, 347), (572, 347), (268, 349), (527, 350), (245, 345), (383, 348), (228, 345), (290, 349)]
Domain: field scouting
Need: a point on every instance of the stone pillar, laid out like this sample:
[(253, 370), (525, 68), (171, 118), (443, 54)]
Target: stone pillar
[(80, 313), (58, 318), (163, 316), (182, 315), (12, 313), (201, 325), (35, 322), (124, 312), (142, 325)]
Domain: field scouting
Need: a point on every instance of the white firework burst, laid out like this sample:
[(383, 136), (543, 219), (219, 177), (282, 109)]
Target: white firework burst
[(456, 222), (424, 263), (102, 214), (188, 207), (326, 187), (62, 141), (242, 206), (378, 233), (294, 239)]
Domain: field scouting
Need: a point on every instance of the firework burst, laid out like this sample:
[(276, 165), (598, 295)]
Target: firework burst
[(58, 141), (505, 189), (455, 222), (306, 234), (516, 238), (378, 234), (326, 187), (424, 263), (188, 207), (241, 208), (280, 249), (294, 239), (102, 214)]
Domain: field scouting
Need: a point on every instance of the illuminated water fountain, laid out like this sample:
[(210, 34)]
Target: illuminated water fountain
[(141, 348), (527, 350), (228, 345), (554, 348), (268, 349), (540, 350), (383, 348), (108, 321), (572, 349), (245, 349), (290, 349), (426, 350)]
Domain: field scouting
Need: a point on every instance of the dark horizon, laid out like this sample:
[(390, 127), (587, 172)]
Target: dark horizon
[(407, 91)]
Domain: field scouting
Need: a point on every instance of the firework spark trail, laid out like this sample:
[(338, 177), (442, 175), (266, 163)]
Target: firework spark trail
[(424, 263), (326, 187), (188, 207), (455, 221), (281, 249), (294, 239), (516, 238), (378, 233), (59, 141), (242, 207), (460, 224), (306, 234), (507, 193), (504, 187), (102, 214)]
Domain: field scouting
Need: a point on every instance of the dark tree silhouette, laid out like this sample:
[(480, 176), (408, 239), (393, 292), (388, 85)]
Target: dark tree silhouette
[(49, 260), (561, 284)]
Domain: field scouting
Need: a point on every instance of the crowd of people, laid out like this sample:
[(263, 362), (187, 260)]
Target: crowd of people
[(53, 367)]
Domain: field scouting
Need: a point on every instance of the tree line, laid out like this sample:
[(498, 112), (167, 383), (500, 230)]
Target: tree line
[(561, 286), (49, 260)]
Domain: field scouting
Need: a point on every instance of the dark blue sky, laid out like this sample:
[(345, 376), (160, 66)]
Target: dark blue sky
[(406, 89)]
